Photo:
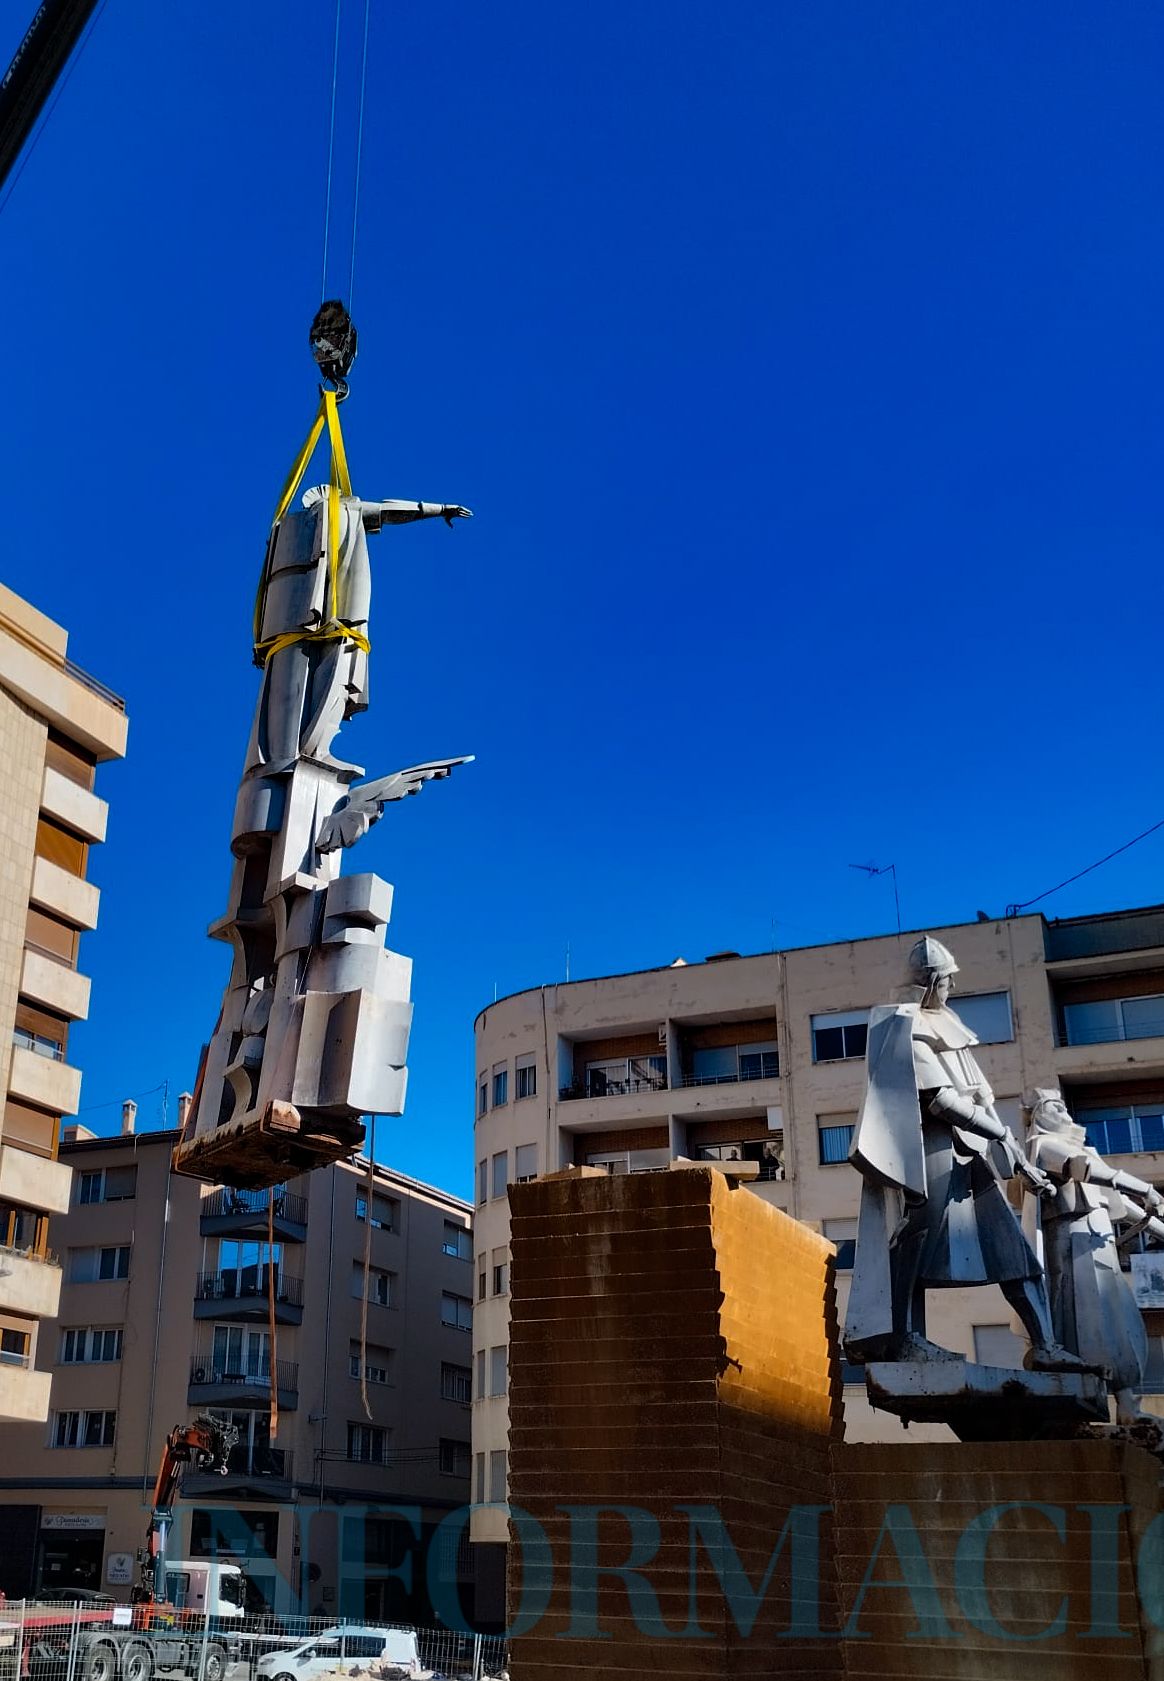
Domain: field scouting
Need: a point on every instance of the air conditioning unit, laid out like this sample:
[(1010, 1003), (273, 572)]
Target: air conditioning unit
[(198, 1375)]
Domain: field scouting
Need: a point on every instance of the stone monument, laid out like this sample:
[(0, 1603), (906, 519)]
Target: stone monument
[(934, 1156), (313, 1030)]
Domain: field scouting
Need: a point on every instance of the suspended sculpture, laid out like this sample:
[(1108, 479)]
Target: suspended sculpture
[(313, 1030)]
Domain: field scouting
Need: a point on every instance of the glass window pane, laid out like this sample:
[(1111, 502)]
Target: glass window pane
[(1143, 1018), (716, 1063), (1151, 1132), (1091, 1024), (828, 1044), (987, 1015), (834, 1144)]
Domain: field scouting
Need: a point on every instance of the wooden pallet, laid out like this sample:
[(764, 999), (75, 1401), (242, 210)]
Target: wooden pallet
[(262, 1150)]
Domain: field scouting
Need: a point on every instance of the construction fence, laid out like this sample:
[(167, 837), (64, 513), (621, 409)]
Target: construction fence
[(88, 1641)]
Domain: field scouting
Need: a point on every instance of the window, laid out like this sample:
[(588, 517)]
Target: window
[(239, 1353), (768, 1153), (844, 1234), (107, 1184), (456, 1311), (1110, 1019), (479, 1480), (480, 1374), (483, 1095), (483, 1180), (14, 1347), (90, 1344), (385, 1211), (381, 1285), (626, 1074), (500, 1085), (456, 1383), (377, 1364), (835, 1137), (725, 1064), (840, 1035), (482, 1281), (84, 1429), (454, 1458), (88, 1266), (367, 1444), (500, 1173), (23, 1229), (500, 1273), (527, 1077), (458, 1241), (997, 1345), (497, 1475), (1125, 1130), (986, 1014), (498, 1370), (631, 1161), (525, 1162), (39, 1044)]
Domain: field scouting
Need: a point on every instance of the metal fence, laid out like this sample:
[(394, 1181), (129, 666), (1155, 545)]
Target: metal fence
[(94, 1640)]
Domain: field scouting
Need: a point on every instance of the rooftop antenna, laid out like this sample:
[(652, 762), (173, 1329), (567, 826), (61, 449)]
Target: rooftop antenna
[(567, 962), (881, 870)]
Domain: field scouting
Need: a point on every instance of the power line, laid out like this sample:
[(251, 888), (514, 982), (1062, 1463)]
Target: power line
[(116, 1102), (1013, 910)]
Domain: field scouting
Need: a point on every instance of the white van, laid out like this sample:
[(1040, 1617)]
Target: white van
[(350, 1650)]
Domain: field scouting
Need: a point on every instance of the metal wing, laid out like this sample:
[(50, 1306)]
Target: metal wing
[(365, 804)]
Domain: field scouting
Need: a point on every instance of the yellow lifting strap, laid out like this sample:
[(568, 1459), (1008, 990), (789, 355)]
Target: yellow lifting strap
[(340, 484)]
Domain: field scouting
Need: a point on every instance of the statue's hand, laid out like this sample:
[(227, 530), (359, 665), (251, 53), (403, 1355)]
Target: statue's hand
[(452, 511)]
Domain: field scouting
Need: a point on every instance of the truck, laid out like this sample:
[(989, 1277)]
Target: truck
[(182, 1611)]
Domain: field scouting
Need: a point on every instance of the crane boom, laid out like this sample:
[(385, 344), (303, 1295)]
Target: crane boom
[(204, 1446), (36, 64)]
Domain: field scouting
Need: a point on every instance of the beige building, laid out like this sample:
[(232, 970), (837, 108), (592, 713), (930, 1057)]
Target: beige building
[(762, 1059), (164, 1313), (56, 725)]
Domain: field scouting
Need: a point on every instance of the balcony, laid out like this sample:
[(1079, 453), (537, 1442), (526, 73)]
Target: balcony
[(618, 1078), (44, 1083), (230, 1213), (244, 1295), (213, 1382), (254, 1470), (29, 1286), (67, 896), (30, 1181), (24, 1394), (47, 979), (73, 806)]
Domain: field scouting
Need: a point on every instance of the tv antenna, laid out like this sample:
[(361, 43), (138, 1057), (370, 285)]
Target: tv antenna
[(872, 870)]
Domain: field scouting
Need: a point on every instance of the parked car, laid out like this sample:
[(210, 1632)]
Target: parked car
[(351, 1650)]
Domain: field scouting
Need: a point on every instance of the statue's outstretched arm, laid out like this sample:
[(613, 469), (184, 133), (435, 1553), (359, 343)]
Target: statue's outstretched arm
[(377, 514)]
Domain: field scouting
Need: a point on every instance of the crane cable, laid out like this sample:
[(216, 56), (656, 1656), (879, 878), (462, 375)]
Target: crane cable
[(331, 150)]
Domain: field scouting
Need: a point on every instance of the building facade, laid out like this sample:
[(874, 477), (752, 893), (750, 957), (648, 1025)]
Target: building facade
[(56, 725), (165, 1313), (762, 1059)]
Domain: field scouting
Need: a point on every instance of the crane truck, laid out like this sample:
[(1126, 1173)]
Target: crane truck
[(176, 1622)]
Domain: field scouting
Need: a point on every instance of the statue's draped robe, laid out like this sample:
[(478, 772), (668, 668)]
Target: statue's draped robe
[(1093, 1309), (925, 1181)]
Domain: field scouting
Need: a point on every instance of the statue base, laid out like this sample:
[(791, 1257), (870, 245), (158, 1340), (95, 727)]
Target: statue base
[(263, 1150), (987, 1403)]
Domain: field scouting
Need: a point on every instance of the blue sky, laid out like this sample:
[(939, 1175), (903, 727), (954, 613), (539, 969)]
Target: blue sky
[(802, 364)]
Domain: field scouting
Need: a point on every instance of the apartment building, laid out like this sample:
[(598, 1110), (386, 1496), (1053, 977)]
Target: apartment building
[(56, 725), (164, 1314), (761, 1059)]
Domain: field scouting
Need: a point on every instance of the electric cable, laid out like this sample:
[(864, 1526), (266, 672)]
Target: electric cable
[(1013, 910)]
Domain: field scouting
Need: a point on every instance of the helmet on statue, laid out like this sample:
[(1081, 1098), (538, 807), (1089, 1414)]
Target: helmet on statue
[(930, 960)]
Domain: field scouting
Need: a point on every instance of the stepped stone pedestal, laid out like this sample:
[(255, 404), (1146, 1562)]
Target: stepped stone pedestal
[(672, 1344)]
